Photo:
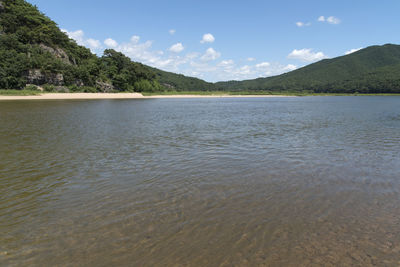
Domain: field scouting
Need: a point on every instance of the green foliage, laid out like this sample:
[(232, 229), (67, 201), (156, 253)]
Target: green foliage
[(375, 69), (177, 82), (89, 89), (125, 74), (19, 92), (30, 42), (31, 87), (48, 87)]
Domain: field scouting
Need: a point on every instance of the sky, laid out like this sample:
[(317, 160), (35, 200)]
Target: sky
[(227, 40)]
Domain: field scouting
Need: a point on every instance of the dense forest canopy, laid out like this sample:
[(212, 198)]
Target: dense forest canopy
[(33, 50)]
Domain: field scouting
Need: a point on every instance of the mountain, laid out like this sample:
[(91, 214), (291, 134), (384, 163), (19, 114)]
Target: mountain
[(33, 50), (375, 69), (172, 81)]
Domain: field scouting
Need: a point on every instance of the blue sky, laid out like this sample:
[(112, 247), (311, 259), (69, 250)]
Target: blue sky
[(227, 40)]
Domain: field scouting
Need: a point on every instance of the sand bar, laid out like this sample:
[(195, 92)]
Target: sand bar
[(64, 96)]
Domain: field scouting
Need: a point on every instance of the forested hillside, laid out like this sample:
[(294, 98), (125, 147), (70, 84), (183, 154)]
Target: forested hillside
[(375, 69), (33, 50)]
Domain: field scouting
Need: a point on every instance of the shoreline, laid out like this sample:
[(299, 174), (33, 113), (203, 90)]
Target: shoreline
[(86, 96)]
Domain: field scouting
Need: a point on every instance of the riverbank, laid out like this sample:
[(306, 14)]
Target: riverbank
[(34, 95), (66, 96)]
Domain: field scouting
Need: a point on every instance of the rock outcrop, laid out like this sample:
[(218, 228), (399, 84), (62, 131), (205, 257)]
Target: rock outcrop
[(37, 77), (167, 85), (57, 52), (105, 87)]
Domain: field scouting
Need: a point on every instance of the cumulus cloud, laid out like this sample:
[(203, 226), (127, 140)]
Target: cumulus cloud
[(94, 44), (202, 65), (263, 69), (176, 48), (172, 31), (306, 55), (330, 20), (80, 38), (302, 24), (110, 43), (353, 50), (289, 67), (263, 65), (226, 63), (135, 39), (142, 52), (210, 54), (333, 20), (207, 38)]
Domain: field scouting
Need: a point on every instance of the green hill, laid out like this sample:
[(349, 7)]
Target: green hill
[(375, 69), (33, 50)]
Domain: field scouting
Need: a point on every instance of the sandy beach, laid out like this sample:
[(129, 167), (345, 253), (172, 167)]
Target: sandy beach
[(65, 96)]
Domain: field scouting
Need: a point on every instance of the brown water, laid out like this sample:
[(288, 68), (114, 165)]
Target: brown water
[(310, 181)]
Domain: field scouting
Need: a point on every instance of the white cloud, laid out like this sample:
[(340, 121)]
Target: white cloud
[(289, 67), (192, 55), (352, 50), (172, 31), (330, 20), (306, 55), (228, 70), (226, 63), (205, 65), (210, 54), (246, 69), (207, 38), (333, 20), (142, 52), (80, 38), (176, 48), (76, 35), (263, 65), (95, 44), (135, 39), (302, 24), (110, 43)]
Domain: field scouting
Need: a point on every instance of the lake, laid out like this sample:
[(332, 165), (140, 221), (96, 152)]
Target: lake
[(201, 182)]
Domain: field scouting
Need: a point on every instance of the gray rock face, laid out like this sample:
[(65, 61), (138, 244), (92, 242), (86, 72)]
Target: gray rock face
[(36, 77), (79, 83), (169, 86), (57, 52), (61, 89), (105, 87)]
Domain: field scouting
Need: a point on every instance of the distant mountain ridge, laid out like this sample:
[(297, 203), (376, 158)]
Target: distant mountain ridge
[(33, 50), (375, 69)]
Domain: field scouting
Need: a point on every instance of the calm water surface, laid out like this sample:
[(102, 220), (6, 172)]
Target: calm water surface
[(201, 182)]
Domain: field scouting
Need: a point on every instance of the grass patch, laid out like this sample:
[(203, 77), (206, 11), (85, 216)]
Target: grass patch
[(19, 92)]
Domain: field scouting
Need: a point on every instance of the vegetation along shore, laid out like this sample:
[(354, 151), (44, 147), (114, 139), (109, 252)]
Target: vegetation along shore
[(34, 53)]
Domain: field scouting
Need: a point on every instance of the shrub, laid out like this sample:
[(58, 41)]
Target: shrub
[(89, 89), (48, 87), (31, 87)]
